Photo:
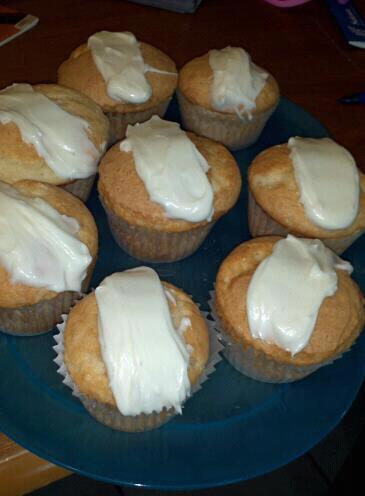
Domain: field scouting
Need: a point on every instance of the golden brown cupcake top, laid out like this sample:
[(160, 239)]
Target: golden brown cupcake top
[(196, 79), (20, 160), (340, 319), (80, 73), (83, 357), (13, 295), (272, 183), (124, 193)]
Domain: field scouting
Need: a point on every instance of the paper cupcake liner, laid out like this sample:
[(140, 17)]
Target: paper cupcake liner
[(111, 416), (42, 317), (119, 122), (233, 131), (81, 187), (261, 224), (155, 246), (38, 318), (256, 364)]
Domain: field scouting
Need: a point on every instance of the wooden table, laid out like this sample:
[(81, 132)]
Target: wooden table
[(302, 47)]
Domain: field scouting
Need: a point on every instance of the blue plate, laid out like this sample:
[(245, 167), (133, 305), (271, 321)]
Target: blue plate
[(233, 429)]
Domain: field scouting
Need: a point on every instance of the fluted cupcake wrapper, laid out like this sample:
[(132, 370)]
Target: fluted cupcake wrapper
[(233, 131), (151, 245), (43, 316), (255, 363), (111, 416), (261, 224), (80, 187), (36, 319), (118, 122)]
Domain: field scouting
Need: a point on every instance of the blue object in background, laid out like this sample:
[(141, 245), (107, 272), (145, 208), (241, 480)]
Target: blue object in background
[(353, 99), (350, 21)]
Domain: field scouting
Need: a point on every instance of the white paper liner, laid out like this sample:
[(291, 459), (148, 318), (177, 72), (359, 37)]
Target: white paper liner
[(111, 416), (118, 122), (149, 245), (254, 363), (233, 131), (39, 318)]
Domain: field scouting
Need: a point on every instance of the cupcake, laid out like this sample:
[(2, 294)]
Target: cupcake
[(226, 97), (50, 134), (48, 248), (134, 350), (310, 188), (130, 80), (163, 190), (287, 307)]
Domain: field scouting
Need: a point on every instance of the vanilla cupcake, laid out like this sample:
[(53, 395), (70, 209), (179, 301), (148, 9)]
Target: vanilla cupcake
[(135, 349), (287, 307), (163, 190), (224, 96), (48, 249), (51, 134), (130, 80), (308, 187)]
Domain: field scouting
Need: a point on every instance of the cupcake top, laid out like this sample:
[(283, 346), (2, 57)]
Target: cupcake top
[(310, 186), (48, 243), (136, 343), (49, 133), (227, 81), (120, 73), (166, 179), (291, 298)]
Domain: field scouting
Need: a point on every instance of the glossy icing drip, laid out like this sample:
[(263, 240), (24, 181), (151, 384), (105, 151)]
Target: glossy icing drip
[(120, 62), (39, 246), (58, 136), (146, 359), (287, 290), (328, 181), (171, 168), (236, 80)]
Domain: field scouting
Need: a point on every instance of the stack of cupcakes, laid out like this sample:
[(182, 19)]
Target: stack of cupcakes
[(136, 348)]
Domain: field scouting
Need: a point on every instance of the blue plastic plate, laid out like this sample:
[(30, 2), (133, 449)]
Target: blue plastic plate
[(233, 429)]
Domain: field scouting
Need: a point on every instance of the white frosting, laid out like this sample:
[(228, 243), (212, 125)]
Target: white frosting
[(119, 60), (146, 359), (38, 245), (287, 290), (236, 80), (59, 137), (171, 168), (328, 181)]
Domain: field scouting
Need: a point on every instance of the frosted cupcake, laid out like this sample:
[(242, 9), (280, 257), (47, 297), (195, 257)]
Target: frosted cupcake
[(308, 187), (134, 350), (129, 79), (224, 96), (50, 134), (163, 190), (48, 248), (288, 307)]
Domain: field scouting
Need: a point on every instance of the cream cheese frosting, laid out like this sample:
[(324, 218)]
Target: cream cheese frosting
[(59, 137), (236, 80), (120, 62), (328, 181), (287, 290), (171, 168), (38, 245), (145, 357)]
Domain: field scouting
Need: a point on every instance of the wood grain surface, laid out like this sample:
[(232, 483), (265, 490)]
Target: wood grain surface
[(302, 47), (22, 472)]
